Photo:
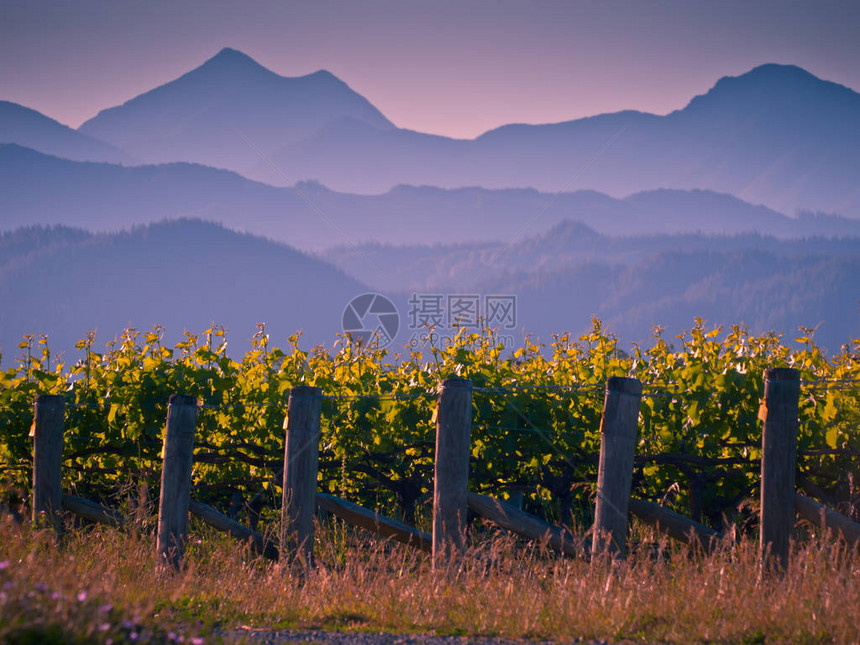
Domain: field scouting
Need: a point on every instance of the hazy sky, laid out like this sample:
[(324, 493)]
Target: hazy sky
[(450, 67)]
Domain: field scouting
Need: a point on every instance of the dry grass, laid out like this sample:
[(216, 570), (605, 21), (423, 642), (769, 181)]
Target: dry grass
[(100, 585)]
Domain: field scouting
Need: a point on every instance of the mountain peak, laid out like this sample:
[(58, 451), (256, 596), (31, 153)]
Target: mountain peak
[(770, 86), (232, 60), (770, 77), (196, 117), (229, 53), (779, 71), (31, 129), (323, 73)]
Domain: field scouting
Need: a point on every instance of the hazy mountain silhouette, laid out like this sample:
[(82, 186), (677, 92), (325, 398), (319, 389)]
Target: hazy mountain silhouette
[(775, 135), (228, 111), (26, 127), (182, 274), (763, 290), (667, 229), (37, 188), (567, 275), (188, 274), (104, 197), (466, 267)]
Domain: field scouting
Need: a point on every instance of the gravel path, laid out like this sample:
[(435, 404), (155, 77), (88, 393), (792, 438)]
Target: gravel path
[(276, 637)]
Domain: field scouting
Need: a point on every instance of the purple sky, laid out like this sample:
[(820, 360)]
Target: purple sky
[(450, 67)]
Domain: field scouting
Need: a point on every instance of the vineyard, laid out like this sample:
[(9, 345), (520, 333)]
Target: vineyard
[(535, 435)]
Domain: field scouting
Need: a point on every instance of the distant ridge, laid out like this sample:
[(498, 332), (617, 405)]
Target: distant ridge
[(229, 59), (183, 274), (771, 86), (27, 127), (227, 111), (776, 135), (105, 197)]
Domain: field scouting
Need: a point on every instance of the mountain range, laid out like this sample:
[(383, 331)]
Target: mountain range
[(570, 273), (188, 274), (108, 197), (235, 195), (776, 135), (182, 274), (469, 266), (229, 113), (26, 127)]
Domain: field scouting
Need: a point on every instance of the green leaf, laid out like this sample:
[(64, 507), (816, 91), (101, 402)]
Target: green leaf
[(830, 410), (693, 411)]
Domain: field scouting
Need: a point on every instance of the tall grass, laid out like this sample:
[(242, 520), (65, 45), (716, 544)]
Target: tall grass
[(99, 585)]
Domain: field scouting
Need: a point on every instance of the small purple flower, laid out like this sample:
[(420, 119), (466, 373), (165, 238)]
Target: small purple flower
[(82, 596), (4, 564)]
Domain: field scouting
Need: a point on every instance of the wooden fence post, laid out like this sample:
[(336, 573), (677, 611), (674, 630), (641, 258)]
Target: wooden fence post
[(177, 457), (778, 463), (618, 430), (301, 460), (48, 425), (453, 430)]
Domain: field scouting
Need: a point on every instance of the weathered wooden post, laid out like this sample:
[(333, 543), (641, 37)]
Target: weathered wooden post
[(618, 430), (778, 462), (301, 460), (177, 458), (453, 430), (48, 424)]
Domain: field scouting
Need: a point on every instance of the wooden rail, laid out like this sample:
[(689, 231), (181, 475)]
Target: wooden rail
[(675, 525), (819, 515), (525, 524), (373, 521), (217, 519)]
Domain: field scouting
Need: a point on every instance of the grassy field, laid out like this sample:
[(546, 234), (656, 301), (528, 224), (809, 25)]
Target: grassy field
[(99, 586)]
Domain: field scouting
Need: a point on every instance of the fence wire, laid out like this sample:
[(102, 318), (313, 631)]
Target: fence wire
[(649, 390)]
